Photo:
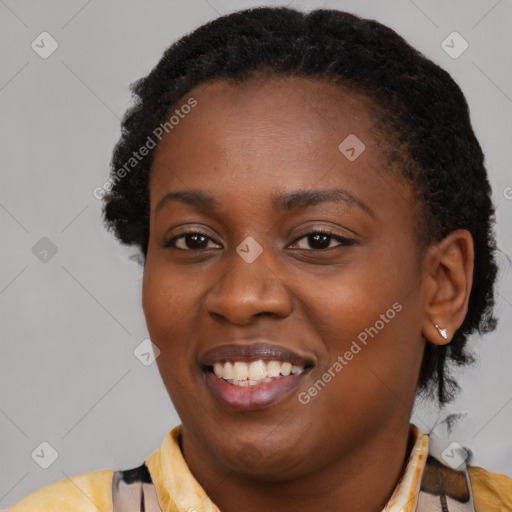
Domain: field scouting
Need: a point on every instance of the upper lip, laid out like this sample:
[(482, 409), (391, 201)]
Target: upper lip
[(244, 351)]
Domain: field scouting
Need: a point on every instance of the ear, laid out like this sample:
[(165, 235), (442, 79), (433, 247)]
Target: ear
[(448, 277)]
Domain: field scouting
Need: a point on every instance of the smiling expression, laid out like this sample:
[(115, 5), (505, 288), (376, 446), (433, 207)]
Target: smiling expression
[(259, 164)]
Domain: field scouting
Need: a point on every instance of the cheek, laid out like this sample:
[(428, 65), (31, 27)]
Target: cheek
[(171, 304), (343, 305), (367, 318), (169, 299), (365, 380)]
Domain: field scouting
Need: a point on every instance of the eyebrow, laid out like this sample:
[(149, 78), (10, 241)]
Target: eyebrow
[(301, 199), (191, 197), (307, 198)]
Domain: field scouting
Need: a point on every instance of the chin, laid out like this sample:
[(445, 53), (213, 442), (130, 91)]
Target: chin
[(263, 456)]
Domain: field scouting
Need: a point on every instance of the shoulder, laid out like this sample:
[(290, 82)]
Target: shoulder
[(492, 492), (446, 488), (81, 493)]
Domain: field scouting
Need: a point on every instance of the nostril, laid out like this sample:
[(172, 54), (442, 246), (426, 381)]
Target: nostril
[(266, 313)]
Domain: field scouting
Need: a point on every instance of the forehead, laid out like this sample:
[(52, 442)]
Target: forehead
[(260, 93), (274, 134), (294, 120)]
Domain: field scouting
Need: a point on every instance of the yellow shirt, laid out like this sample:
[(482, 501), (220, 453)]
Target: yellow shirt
[(174, 488)]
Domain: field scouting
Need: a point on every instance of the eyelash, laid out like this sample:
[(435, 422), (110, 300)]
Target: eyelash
[(343, 241), (168, 244)]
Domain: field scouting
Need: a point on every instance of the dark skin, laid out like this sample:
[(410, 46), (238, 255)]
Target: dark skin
[(244, 145)]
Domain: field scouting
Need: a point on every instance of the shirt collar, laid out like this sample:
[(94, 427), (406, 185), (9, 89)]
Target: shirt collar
[(179, 491), (405, 495)]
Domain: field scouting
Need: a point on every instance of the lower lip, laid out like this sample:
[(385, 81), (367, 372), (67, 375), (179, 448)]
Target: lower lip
[(249, 398)]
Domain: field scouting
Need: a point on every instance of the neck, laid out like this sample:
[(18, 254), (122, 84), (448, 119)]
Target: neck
[(363, 480)]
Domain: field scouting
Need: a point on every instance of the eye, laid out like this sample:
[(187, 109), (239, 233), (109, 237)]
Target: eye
[(193, 240), (319, 240)]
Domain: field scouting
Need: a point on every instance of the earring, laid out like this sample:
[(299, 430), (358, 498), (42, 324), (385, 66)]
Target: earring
[(442, 332)]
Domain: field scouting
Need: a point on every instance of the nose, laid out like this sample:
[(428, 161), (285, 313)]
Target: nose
[(248, 290)]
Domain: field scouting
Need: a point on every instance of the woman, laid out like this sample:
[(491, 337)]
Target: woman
[(315, 221)]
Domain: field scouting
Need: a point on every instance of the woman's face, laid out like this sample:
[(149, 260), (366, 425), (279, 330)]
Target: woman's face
[(276, 248)]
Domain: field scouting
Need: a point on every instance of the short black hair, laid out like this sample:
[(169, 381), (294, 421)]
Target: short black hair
[(419, 106)]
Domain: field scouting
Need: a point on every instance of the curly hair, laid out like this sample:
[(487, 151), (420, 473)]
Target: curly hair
[(418, 106)]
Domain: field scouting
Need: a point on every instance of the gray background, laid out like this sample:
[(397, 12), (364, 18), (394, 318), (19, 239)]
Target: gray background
[(68, 375)]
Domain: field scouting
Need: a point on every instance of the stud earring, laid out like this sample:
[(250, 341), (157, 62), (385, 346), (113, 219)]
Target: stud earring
[(442, 332)]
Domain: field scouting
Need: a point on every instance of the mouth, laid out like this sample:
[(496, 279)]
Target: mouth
[(255, 376)]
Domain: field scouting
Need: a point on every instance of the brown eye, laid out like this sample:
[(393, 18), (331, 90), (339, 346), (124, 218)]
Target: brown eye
[(195, 241), (321, 240), (190, 241)]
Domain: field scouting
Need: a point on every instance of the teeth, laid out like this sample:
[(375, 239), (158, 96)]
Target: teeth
[(217, 369), (227, 372), (286, 368), (257, 370), (273, 368), (241, 373)]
